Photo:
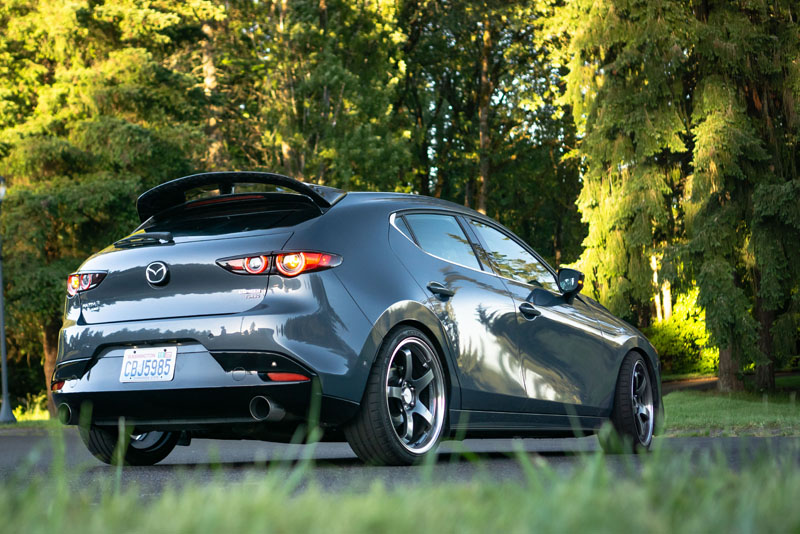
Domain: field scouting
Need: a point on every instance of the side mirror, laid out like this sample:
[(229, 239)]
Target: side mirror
[(570, 282)]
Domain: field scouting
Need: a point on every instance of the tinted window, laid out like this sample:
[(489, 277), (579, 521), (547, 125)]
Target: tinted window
[(513, 261), (441, 236), (403, 227)]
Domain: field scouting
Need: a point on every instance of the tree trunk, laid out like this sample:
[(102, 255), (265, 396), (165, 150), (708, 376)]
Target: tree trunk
[(50, 349), (483, 117), (666, 291), (215, 154), (557, 240), (657, 298), (728, 371), (765, 369)]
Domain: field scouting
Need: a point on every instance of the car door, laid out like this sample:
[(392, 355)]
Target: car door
[(562, 351), (473, 304)]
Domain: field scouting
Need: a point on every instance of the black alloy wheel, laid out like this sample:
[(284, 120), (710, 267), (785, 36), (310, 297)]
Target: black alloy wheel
[(403, 412), (633, 416)]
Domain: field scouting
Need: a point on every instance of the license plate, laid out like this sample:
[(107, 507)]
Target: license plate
[(148, 364)]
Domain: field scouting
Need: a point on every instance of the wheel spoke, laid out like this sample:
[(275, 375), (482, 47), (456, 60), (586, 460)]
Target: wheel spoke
[(409, 430), (422, 382), (642, 385), (397, 420), (423, 412), (408, 364), (394, 392)]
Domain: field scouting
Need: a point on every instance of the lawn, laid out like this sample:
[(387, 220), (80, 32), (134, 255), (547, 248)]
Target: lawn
[(695, 413)]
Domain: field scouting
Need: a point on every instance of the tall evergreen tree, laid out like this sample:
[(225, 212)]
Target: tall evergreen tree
[(101, 114), (686, 110)]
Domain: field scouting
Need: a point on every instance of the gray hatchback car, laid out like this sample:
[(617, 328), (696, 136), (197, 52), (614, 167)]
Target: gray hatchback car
[(251, 305)]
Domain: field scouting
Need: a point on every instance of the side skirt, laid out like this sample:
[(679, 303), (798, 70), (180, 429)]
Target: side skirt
[(496, 424)]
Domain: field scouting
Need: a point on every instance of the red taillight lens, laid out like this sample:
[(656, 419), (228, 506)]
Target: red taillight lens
[(291, 264), (288, 264), (79, 282), (294, 263), (56, 386), (73, 284), (256, 264), (287, 377)]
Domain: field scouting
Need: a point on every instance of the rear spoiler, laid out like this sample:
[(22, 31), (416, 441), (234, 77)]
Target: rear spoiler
[(173, 193)]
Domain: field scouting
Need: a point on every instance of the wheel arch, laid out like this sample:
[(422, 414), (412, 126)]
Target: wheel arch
[(414, 314)]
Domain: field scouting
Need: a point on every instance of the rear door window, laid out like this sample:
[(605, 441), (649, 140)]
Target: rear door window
[(442, 236)]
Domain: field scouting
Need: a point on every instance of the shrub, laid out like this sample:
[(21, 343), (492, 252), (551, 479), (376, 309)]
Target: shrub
[(682, 341)]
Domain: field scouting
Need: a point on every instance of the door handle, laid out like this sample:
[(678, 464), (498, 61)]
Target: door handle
[(528, 311), (439, 289)]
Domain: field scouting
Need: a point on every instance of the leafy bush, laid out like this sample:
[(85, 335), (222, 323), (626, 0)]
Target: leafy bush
[(33, 408), (682, 341)]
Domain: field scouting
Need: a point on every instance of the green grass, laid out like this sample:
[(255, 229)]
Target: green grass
[(697, 413), (667, 493)]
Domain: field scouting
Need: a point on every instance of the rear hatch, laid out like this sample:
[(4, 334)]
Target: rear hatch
[(189, 238)]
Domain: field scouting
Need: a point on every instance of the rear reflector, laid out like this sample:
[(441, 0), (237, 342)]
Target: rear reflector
[(287, 377)]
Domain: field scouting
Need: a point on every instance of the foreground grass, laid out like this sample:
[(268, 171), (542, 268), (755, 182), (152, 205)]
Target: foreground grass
[(734, 414), (665, 493)]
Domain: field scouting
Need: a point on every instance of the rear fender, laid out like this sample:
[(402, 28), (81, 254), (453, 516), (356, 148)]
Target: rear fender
[(413, 313)]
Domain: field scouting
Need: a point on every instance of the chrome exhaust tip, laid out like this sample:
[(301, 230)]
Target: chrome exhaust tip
[(263, 409), (64, 413)]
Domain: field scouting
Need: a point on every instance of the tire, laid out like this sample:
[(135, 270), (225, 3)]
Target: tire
[(633, 415), (406, 383), (143, 449)]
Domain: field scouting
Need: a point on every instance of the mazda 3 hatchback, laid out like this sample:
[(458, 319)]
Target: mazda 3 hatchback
[(254, 306)]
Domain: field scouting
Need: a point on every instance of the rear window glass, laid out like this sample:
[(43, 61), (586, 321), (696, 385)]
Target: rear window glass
[(230, 223), (442, 236), (211, 190)]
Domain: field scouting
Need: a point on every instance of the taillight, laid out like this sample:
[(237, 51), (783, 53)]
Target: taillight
[(256, 264), (288, 264), (57, 386), (79, 282), (294, 263)]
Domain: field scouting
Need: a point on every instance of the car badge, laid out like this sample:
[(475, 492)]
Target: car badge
[(157, 273)]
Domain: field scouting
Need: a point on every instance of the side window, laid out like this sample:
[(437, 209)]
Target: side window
[(442, 236), (403, 227), (512, 260)]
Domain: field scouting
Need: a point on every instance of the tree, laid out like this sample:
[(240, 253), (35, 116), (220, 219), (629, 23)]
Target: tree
[(689, 136), (99, 116)]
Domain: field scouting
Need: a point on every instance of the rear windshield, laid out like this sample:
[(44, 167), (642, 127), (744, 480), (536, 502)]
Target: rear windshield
[(231, 217)]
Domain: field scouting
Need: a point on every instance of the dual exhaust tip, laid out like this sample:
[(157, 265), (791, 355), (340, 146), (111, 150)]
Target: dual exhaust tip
[(261, 409)]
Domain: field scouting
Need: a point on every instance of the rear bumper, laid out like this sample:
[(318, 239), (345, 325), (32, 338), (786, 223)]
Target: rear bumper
[(207, 389)]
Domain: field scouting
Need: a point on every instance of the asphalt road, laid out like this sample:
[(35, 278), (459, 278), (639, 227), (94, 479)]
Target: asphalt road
[(26, 453)]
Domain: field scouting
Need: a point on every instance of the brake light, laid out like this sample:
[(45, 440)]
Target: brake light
[(294, 263), (79, 282), (57, 386), (288, 264), (256, 264)]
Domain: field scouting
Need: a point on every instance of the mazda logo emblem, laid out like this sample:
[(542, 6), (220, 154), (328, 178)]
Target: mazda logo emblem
[(157, 273)]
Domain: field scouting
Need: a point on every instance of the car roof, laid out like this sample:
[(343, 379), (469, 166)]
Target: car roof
[(398, 201)]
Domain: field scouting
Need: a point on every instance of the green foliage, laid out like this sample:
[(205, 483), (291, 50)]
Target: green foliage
[(662, 493), (682, 341), (34, 408), (686, 115)]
